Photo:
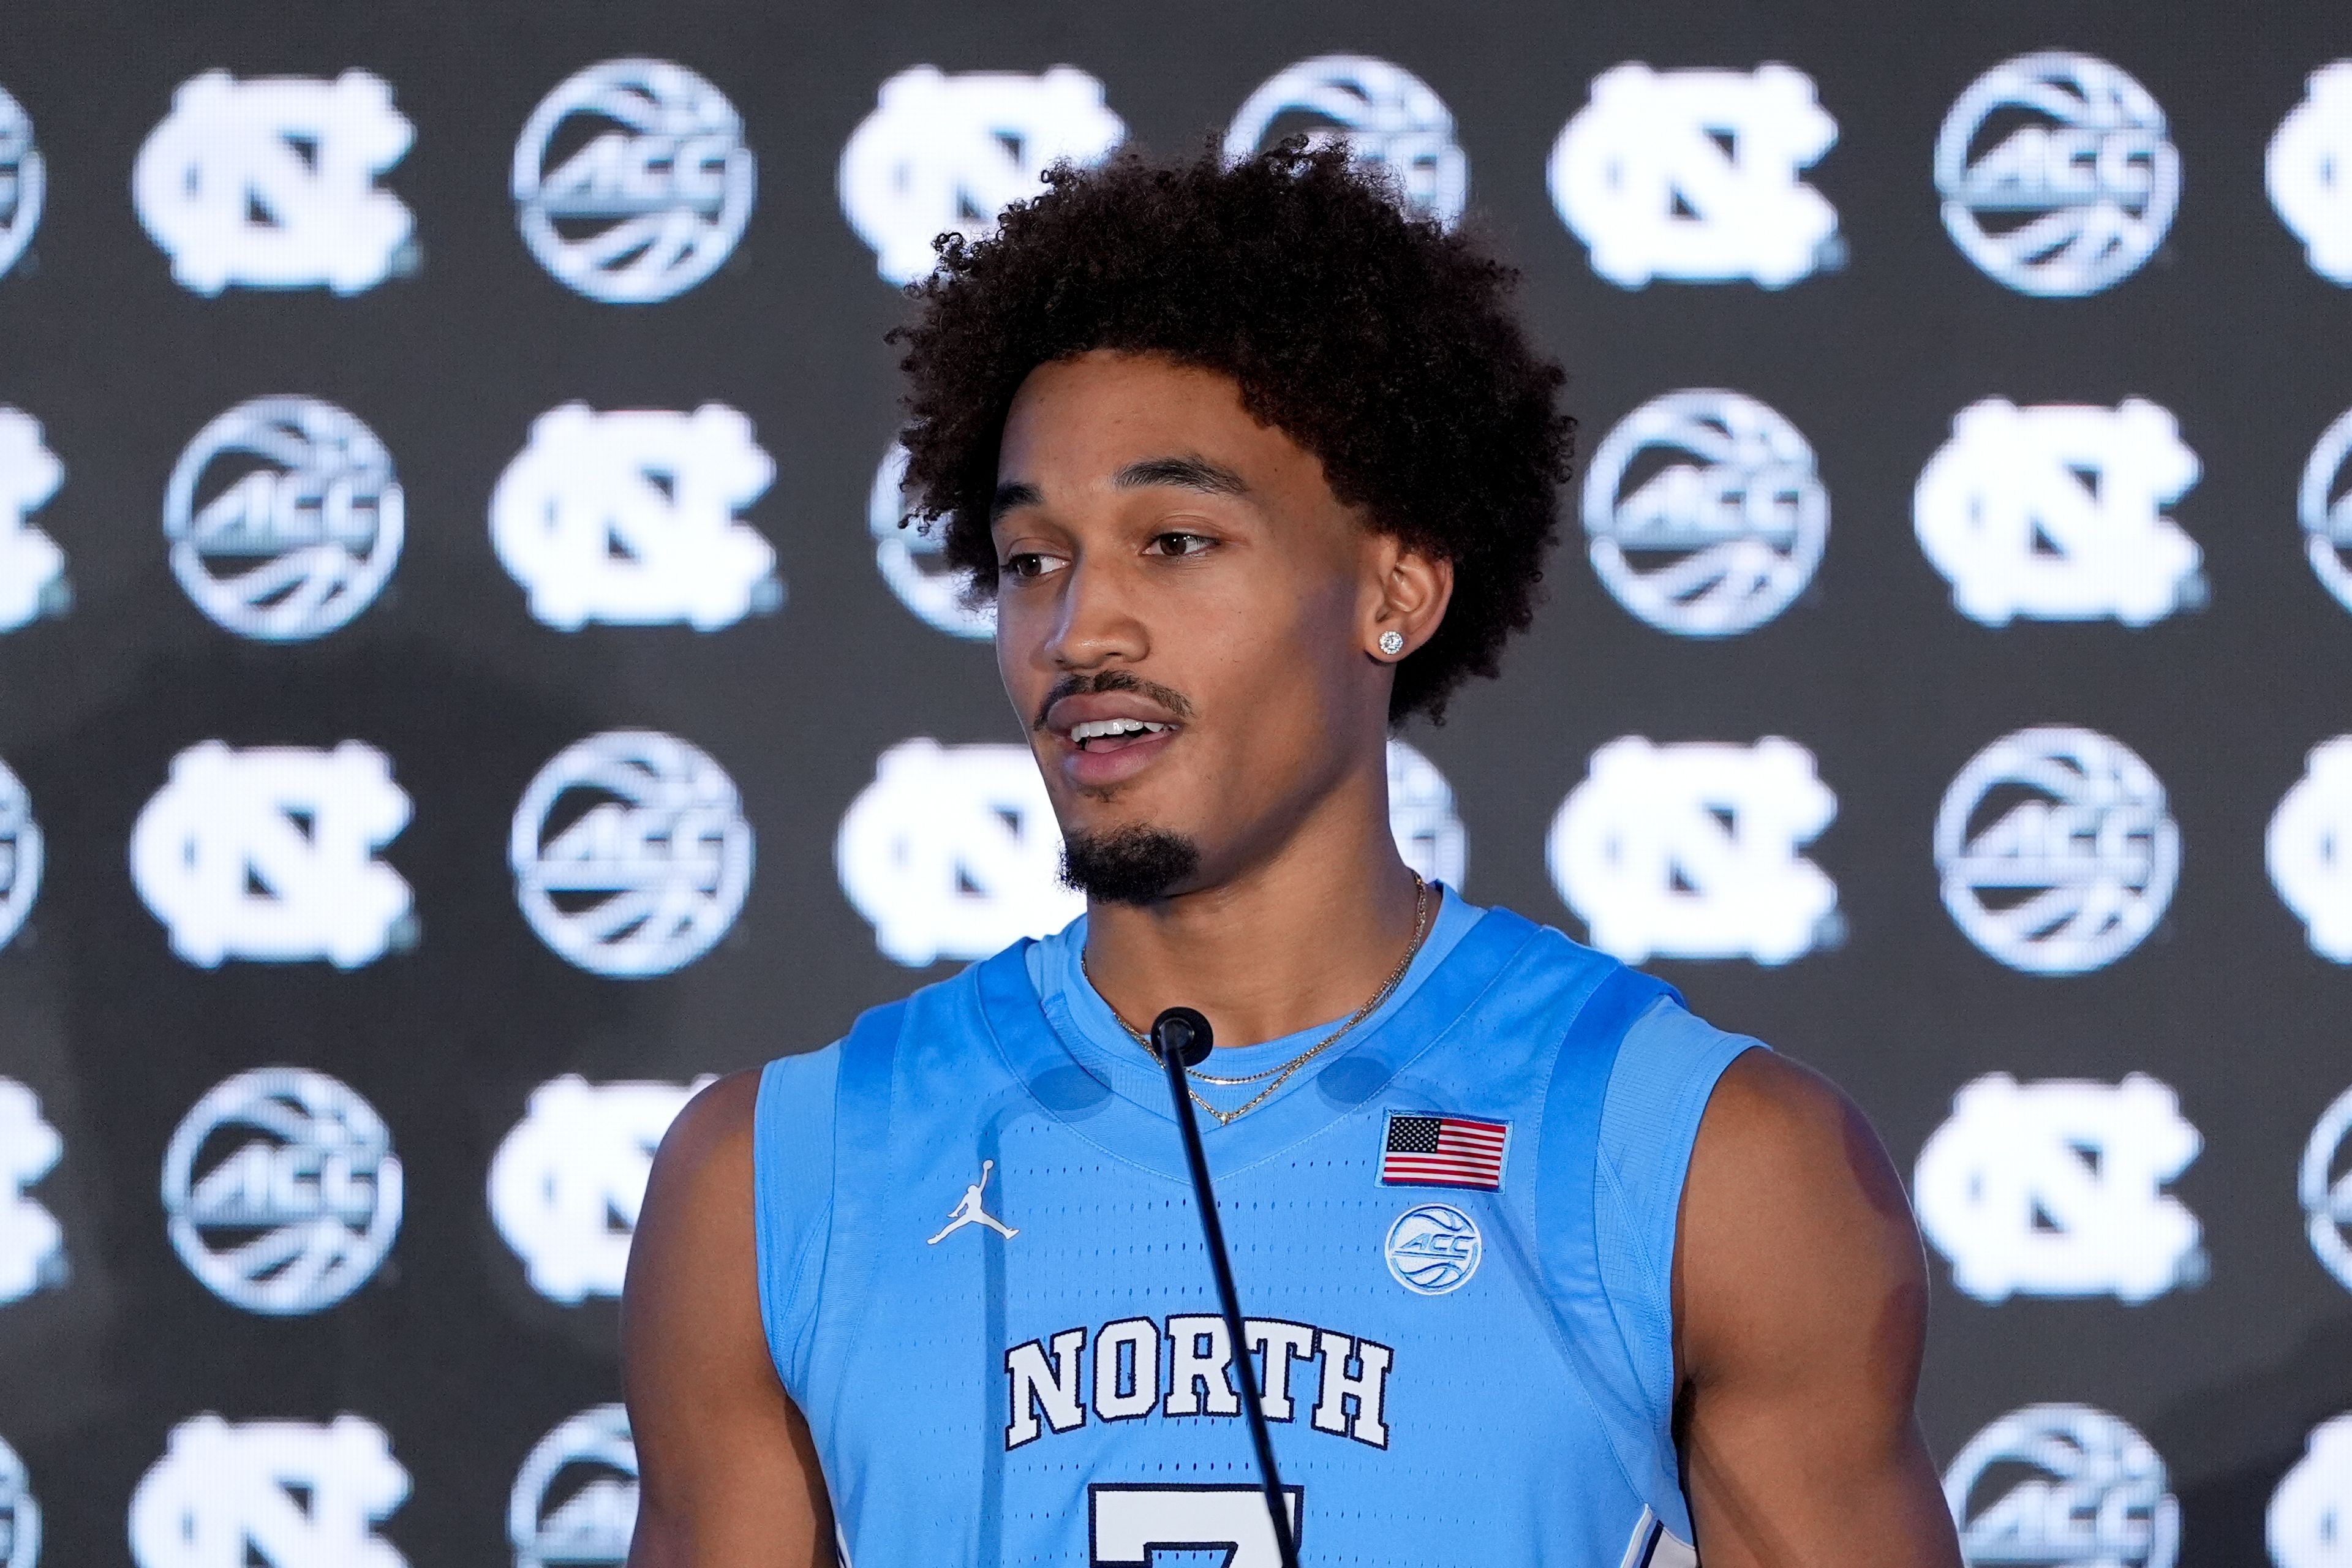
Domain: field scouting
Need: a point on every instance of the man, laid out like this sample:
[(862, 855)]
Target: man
[(1538, 1266)]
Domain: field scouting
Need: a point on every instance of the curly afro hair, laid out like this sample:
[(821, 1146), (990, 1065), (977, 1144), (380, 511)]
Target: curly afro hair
[(1378, 341)]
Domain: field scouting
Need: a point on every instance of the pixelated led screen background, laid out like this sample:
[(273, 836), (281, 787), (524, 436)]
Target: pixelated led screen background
[(461, 682)]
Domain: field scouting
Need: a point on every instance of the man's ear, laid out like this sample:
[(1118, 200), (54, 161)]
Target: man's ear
[(1409, 600)]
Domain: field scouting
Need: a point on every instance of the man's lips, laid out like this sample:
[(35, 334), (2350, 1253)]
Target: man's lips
[(1108, 737)]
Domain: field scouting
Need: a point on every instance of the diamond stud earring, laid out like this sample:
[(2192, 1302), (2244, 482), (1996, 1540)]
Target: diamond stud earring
[(1392, 643)]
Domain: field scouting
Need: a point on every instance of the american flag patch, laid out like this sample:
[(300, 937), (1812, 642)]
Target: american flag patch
[(1443, 1151)]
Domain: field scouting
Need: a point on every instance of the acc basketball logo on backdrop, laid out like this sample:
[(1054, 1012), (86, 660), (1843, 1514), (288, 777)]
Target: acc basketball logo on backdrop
[(271, 854), (1691, 176), (2324, 507), (20, 1513), (31, 1245), (911, 558), (2324, 1186), (567, 1183), (1392, 119), (942, 152), (2082, 1490), (630, 852), (2308, 849), (575, 1503), (629, 518), (2309, 1519), (631, 180), (2056, 513), (2057, 174), (24, 183), (2056, 1189), (1690, 851), (32, 567), (20, 855), (282, 1192), (1711, 547), (285, 1494), (2308, 171), (285, 519), (271, 183), (2057, 851)]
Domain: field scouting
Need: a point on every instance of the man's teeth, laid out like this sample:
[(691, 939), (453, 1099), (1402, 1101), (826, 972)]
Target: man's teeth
[(1112, 729)]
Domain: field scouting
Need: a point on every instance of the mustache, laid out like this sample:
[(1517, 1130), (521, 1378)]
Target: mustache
[(1075, 685)]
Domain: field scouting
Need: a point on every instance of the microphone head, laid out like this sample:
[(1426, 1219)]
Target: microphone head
[(1183, 1034)]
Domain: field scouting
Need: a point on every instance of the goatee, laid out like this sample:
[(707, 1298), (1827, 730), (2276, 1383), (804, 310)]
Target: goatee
[(1132, 865)]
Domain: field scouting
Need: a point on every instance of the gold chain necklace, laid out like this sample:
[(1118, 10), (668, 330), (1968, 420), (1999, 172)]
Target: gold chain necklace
[(1280, 1075)]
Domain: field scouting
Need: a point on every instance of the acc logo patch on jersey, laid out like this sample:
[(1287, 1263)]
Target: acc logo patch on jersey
[(2058, 175), (32, 567), (631, 180), (282, 1192), (1392, 119), (2057, 513), (2092, 1494), (24, 183), (31, 1243), (226, 1493), (2308, 171), (1690, 851), (2057, 851), (1691, 176), (271, 183), (2056, 1189), (1432, 1249), (944, 152), (567, 1182), (575, 1503), (270, 854), (1705, 514), (629, 518)]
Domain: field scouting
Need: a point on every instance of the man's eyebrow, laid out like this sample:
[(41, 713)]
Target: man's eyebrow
[(1184, 473), (1011, 496)]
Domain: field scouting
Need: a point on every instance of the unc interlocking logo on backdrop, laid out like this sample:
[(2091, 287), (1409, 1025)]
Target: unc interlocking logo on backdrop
[(282, 1494), (1690, 851), (31, 1243), (2308, 171), (271, 854), (567, 1183), (945, 152), (20, 855), (20, 1513), (630, 852), (1704, 513), (911, 557), (2309, 1521), (2324, 1186), (2308, 849), (2081, 1490), (631, 180), (282, 1192), (271, 183), (1422, 820), (24, 183), (1432, 1249), (2056, 849), (952, 851), (2058, 175), (1692, 176), (575, 1503), (2057, 513), (285, 519), (1392, 119), (629, 518), (32, 567), (2324, 505), (2056, 1189)]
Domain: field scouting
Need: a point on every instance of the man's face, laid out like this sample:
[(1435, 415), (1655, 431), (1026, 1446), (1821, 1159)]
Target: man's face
[(1182, 609)]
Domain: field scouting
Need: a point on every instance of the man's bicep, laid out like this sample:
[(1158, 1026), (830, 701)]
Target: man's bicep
[(727, 1475), (1800, 1306)]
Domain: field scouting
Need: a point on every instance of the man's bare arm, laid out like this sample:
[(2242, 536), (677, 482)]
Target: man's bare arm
[(727, 1477), (1799, 1310)]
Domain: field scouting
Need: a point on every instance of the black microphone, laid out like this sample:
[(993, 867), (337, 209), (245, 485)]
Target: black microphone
[(1183, 1039)]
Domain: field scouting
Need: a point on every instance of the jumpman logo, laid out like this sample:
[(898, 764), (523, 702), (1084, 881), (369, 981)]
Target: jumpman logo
[(969, 1212)]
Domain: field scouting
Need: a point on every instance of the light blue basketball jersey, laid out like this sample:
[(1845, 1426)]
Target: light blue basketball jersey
[(982, 1279)]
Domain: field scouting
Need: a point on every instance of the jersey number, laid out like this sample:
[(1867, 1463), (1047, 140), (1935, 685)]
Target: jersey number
[(1128, 1523)]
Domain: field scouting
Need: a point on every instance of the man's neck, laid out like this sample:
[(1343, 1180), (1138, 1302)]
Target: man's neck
[(1302, 938)]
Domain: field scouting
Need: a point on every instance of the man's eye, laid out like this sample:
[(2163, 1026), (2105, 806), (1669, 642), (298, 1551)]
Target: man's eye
[(1181, 543), (1026, 563)]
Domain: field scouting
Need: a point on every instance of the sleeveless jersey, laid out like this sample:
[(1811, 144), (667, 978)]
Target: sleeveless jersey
[(1452, 1236)]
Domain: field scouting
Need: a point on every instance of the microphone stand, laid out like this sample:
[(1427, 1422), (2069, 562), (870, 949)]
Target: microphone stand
[(1184, 1040)]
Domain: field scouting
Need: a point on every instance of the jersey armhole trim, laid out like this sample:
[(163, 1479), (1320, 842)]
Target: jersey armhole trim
[(787, 1290)]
